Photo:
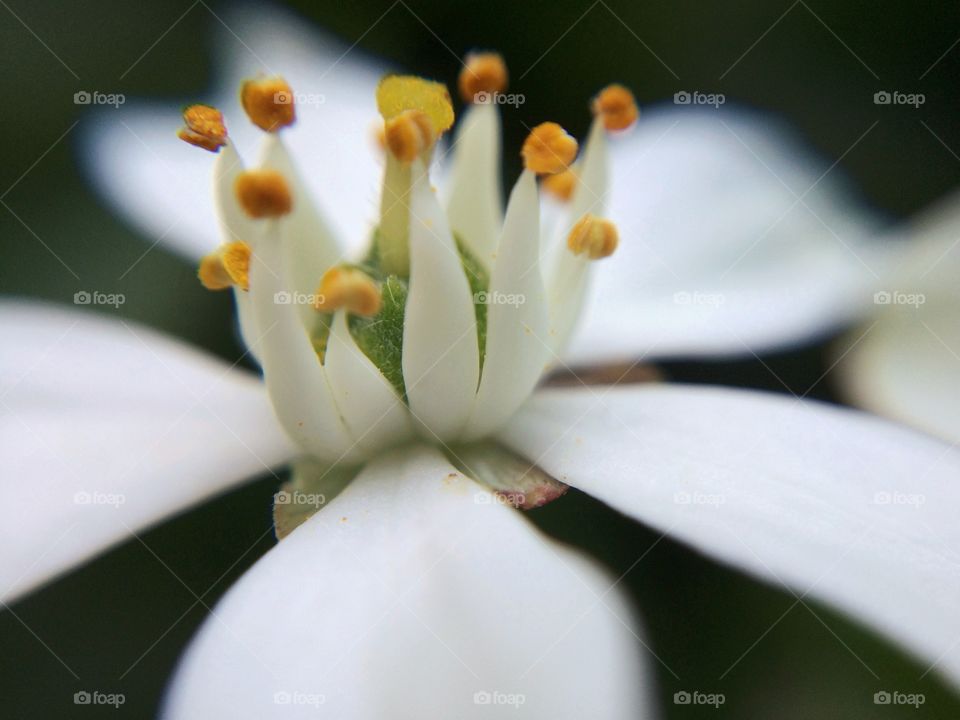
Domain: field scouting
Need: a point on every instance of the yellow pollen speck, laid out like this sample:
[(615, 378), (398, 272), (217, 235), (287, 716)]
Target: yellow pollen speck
[(227, 266), (616, 106), (399, 93), (236, 261), (268, 102), (482, 74), (548, 149), (263, 193), (346, 287), (561, 185), (204, 127), (593, 236), (408, 134)]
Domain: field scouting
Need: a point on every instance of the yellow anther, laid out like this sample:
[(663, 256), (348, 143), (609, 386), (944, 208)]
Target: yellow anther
[(408, 134), (227, 266), (616, 107), (561, 185), (204, 127), (349, 288), (268, 102), (398, 93), (483, 74), (263, 193), (595, 237), (548, 149)]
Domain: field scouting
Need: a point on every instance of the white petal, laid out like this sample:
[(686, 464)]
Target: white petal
[(408, 597), (853, 510), (298, 387), (475, 207), (106, 428), (905, 362), (162, 185), (717, 254), (373, 413), (517, 329), (441, 360)]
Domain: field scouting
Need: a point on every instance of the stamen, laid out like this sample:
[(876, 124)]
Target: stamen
[(617, 108), (346, 287), (379, 136), (263, 193), (561, 185), (399, 93), (268, 102), (204, 127), (593, 236), (409, 134), (483, 74), (227, 266), (548, 149)]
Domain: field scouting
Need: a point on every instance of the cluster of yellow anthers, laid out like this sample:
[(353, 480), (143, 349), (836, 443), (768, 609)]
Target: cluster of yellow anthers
[(415, 114)]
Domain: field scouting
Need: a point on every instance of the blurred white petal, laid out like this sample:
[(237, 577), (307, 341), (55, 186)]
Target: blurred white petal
[(415, 595), (732, 240), (905, 362), (106, 428), (853, 510), (163, 186)]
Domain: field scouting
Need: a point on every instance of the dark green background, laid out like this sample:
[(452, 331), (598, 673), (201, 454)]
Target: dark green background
[(701, 618)]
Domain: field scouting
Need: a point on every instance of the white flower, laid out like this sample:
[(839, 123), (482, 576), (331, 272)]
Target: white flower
[(904, 362), (414, 591)]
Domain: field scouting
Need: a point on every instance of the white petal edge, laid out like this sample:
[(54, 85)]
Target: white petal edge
[(440, 345), (107, 428), (475, 204), (717, 256), (796, 493), (162, 185), (904, 363), (410, 595), (517, 326)]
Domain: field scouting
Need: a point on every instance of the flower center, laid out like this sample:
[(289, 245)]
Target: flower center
[(445, 325)]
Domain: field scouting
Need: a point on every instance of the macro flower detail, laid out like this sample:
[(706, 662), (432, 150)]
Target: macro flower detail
[(401, 384)]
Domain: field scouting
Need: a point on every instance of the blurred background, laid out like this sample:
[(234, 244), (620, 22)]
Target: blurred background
[(120, 623)]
